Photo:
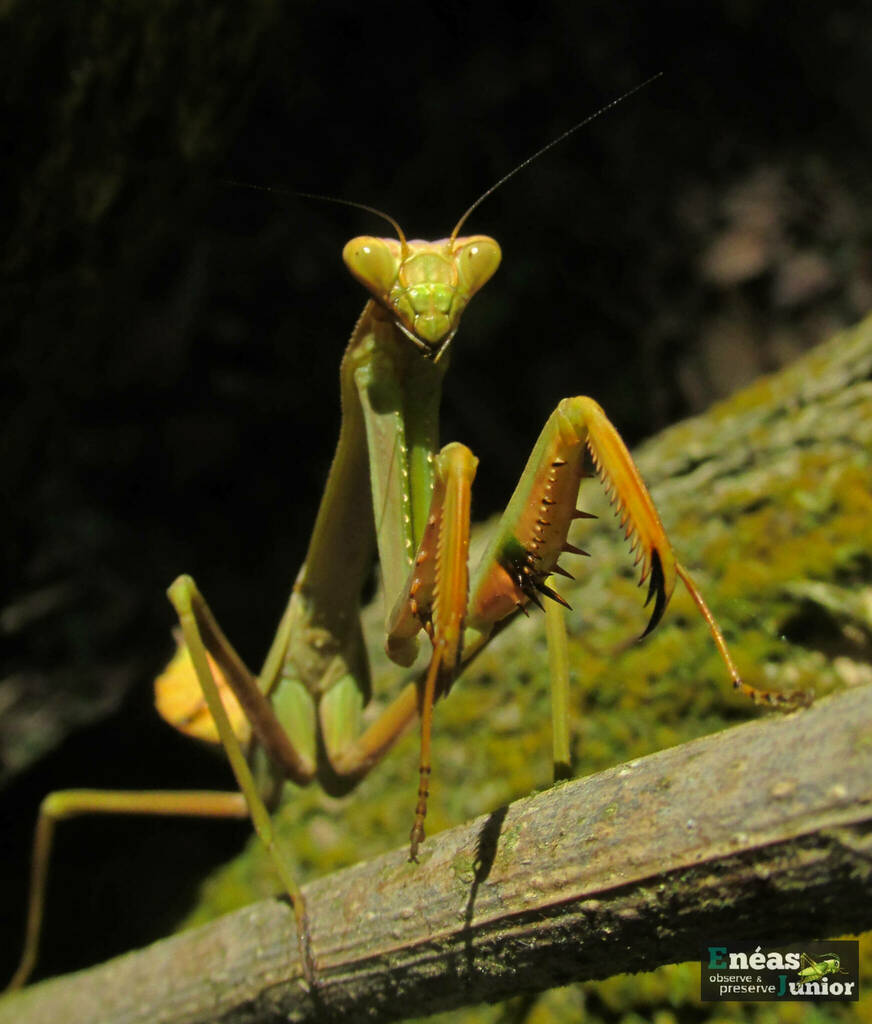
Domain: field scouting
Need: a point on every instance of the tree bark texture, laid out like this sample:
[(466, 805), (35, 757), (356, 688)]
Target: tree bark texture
[(635, 867)]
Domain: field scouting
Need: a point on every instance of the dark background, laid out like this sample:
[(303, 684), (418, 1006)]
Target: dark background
[(171, 340)]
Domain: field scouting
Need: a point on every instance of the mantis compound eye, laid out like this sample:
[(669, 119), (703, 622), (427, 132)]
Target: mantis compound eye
[(374, 262), (476, 259)]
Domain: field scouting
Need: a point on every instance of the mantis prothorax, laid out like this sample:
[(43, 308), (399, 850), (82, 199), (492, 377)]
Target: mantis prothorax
[(391, 488)]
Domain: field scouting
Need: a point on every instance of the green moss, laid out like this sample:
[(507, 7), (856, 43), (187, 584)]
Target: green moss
[(463, 867)]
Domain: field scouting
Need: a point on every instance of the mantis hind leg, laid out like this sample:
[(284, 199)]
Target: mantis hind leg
[(203, 638), (72, 803)]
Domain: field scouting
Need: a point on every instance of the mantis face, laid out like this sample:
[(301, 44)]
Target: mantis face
[(425, 286)]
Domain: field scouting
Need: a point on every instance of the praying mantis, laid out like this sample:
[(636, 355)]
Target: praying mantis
[(391, 491)]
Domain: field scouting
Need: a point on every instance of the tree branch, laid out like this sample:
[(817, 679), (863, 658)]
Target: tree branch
[(635, 867)]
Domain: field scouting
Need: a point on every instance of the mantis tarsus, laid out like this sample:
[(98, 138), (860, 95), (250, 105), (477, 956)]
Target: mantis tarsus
[(390, 488)]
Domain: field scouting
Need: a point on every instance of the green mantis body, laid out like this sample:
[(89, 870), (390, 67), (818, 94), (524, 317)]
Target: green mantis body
[(391, 490)]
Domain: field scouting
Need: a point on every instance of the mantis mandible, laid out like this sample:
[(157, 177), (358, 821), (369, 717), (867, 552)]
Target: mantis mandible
[(392, 490)]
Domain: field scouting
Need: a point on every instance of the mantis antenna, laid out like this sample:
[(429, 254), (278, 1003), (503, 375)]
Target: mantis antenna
[(335, 199), (488, 192), (550, 145), (367, 209)]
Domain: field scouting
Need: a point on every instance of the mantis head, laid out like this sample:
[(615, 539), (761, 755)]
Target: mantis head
[(425, 286)]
